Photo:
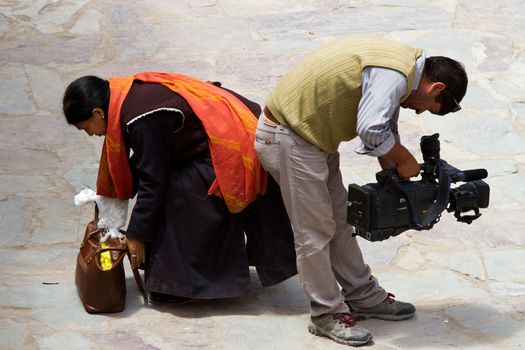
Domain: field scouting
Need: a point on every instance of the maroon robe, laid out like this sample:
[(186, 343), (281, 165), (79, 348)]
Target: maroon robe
[(195, 247)]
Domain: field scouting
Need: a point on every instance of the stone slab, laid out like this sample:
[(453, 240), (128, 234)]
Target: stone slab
[(430, 285), (54, 222), (34, 294), (89, 22), (24, 161), (508, 289), (46, 85), (496, 133), (41, 49), (512, 185), (63, 340), (25, 185), (14, 98), (488, 318), (245, 332), (37, 132), (15, 216), (12, 334), (23, 258), (505, 265), (466, 263)]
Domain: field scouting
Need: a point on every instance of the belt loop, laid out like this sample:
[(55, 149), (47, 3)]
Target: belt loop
[(268, 122), (270, 117)]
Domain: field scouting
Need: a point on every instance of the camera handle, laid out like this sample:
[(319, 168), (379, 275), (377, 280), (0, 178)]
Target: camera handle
[(433, 213)]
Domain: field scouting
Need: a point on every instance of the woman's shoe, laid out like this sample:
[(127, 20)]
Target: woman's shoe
[(167, 299)]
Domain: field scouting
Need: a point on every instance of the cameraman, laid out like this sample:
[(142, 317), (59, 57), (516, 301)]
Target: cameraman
[(350, 87)]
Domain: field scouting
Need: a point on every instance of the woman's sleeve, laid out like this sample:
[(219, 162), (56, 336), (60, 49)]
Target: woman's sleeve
[(150, 139)]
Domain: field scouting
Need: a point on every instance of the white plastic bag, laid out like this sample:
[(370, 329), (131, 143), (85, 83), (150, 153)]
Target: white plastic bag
[(112, 212)]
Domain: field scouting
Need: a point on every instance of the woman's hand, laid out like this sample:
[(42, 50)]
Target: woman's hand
[(136, 251)]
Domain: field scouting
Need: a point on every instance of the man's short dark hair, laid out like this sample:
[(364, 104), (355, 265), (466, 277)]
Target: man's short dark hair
[(450, 72)]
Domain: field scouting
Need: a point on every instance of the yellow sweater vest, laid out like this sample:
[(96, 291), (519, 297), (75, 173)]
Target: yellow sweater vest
[(318, 98)]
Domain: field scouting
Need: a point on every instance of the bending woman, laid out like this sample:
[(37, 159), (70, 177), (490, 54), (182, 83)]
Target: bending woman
[(200, 214)]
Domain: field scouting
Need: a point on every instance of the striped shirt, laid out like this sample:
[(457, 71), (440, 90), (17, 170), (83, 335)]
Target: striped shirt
[(378, 110)]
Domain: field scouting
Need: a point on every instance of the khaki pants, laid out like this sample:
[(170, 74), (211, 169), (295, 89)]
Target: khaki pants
[(315, 199)]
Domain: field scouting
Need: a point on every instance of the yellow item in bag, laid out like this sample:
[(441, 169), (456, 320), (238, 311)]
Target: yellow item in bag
[(105, 258)]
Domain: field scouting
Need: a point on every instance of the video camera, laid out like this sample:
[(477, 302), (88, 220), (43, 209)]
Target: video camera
[(390, 206)]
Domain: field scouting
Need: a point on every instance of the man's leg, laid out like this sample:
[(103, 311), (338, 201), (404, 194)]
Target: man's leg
[(354, 276), (302, 172), (360, 289)]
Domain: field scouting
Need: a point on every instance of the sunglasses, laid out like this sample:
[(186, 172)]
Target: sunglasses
[(451, 102)]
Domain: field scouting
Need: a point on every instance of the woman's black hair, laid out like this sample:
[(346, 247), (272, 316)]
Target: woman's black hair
[(82, 96), (452, 74)]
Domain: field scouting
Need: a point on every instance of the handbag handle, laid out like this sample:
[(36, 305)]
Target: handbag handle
[(136, 273), (139, 281), (115, 262)]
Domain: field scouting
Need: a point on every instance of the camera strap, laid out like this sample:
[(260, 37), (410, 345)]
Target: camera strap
[(432, 214)]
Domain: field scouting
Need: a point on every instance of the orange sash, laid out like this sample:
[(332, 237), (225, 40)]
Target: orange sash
[(230, 127)]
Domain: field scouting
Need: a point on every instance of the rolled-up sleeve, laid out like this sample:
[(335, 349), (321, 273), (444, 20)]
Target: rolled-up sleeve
[(378, 110)]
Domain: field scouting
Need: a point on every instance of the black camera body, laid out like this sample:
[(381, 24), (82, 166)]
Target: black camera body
[(390, 206)]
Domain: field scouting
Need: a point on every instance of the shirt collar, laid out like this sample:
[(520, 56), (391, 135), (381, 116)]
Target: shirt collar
[(420, 64)]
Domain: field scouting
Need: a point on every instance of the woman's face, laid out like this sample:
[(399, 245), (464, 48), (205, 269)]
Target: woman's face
[(96, 125)]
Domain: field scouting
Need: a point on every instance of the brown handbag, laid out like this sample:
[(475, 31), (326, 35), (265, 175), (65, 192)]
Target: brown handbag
[(102, 290)]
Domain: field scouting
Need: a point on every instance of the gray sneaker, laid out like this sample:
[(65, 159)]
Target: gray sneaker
[(389, 309), (339, 327)]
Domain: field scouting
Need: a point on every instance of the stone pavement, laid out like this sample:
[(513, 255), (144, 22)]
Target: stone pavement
[(467, 281)]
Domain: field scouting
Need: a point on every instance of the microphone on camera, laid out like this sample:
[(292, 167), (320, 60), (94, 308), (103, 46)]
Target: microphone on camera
[(471, 175)]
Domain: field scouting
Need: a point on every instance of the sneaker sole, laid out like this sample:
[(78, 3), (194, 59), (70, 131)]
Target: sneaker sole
[(385, 317), (312, 328)]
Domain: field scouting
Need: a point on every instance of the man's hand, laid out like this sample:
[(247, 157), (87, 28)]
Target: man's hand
[(386, 163), (136, 251), (404, 162), (408, 169)]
